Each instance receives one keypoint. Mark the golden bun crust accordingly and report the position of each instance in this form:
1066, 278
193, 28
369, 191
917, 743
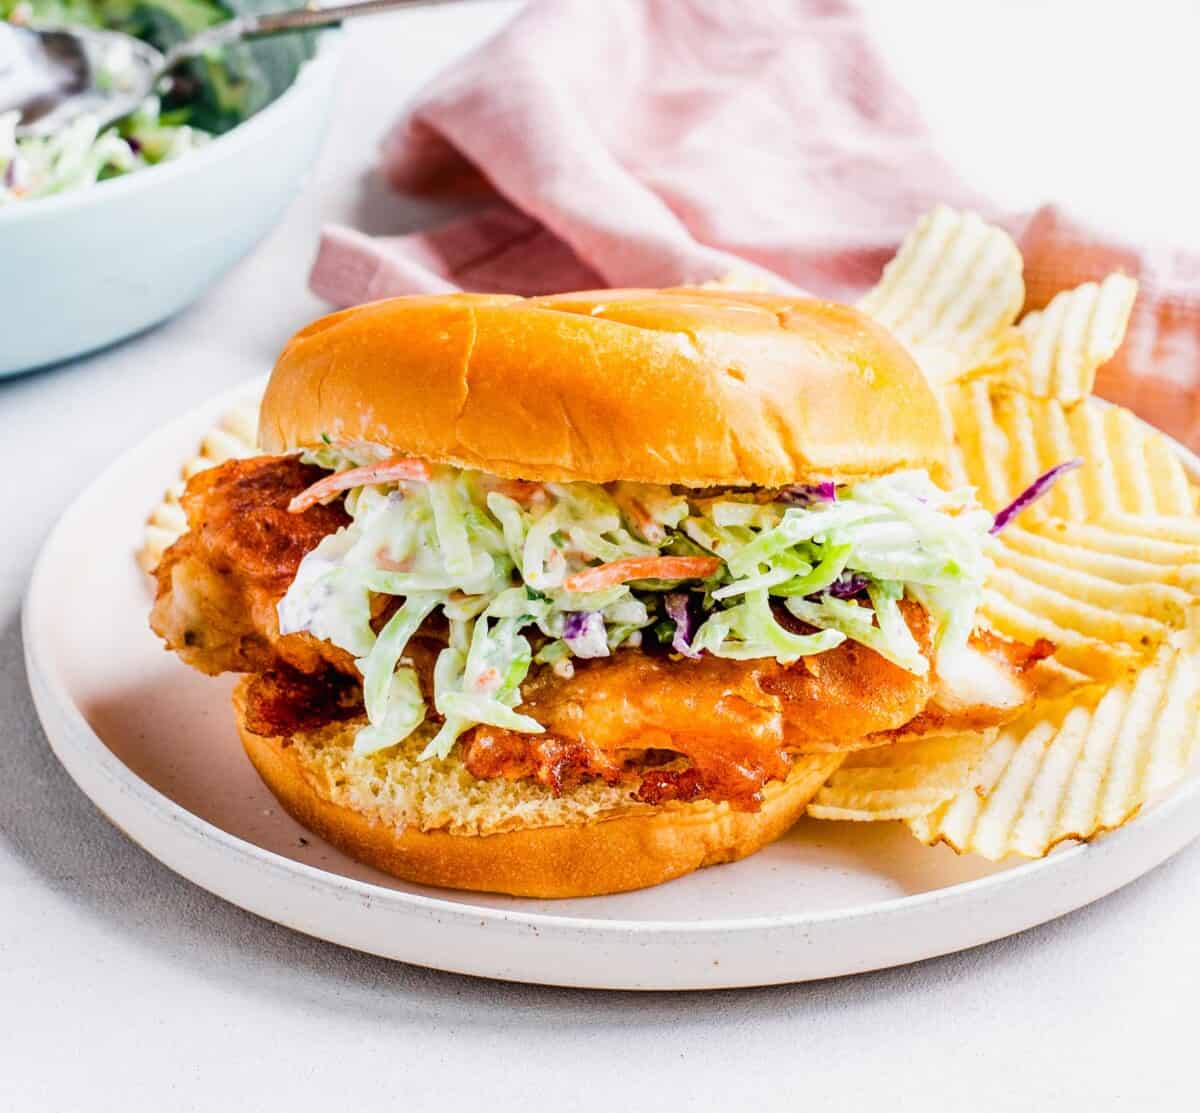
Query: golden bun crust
608, 854
698, 387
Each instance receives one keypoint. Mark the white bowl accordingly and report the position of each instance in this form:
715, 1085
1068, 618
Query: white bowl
83, 269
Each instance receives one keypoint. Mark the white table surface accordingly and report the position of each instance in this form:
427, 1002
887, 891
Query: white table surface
123, 987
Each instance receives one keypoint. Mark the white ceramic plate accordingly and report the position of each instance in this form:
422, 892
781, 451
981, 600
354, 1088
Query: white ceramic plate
153, 744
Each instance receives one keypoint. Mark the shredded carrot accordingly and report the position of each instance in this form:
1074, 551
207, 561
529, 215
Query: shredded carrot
385, 563
389, 471
641, 517
641, 568
646, 525
521, 490
487, 681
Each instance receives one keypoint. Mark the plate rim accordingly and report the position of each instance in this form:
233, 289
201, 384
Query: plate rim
55, 704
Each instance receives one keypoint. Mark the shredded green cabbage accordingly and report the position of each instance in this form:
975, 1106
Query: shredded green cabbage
495, 561
81, 154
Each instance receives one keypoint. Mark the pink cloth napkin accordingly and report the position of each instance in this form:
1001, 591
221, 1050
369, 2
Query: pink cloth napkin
663, 142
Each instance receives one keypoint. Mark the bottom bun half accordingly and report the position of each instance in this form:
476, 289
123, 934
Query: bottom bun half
433, 824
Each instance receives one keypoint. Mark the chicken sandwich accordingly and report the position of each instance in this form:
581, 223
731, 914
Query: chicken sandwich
575, 594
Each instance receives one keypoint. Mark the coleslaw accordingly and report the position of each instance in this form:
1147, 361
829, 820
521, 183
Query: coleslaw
81, 154
203, 97
552, 573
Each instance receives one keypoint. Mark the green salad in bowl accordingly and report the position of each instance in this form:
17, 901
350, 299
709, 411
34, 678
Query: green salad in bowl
201, 100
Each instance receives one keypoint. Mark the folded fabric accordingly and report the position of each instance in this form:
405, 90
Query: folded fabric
664, 142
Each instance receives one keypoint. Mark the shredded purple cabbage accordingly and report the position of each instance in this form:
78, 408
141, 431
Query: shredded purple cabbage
676, 604
576, 624
847, 586
584, 632
1033, 492
12, 172
805, 494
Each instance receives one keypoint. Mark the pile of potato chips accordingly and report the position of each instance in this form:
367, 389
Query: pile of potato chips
1106, 566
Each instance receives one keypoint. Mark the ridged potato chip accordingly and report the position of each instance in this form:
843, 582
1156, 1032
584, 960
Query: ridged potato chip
1104, 565
233, 437
1104, 610
1005, 439
1078, 331
901, 781
1076, 767
952, 290
1006, 362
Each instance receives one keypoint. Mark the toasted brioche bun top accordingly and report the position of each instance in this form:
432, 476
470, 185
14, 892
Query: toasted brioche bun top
688, 386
